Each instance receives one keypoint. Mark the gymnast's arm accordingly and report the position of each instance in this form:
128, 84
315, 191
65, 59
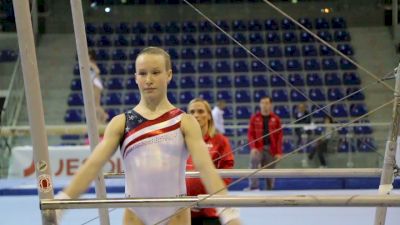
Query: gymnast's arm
202, 161
100, 155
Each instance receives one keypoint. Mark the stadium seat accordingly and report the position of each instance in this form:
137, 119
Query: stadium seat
222, 67
187, 82
228, 113
366, 144
325, 35
279, 95
240, 66
339, 110
205, 39
358, 109
188, 27
291, 51
329, 64
346, 65
90, 28
156, 27
273, 38
106, 28
305, 22
314, 79
306, 37
298, 95
345, 49
222, 39
239, 25
172, 97
205, 82
316, 94
103, 41
154, 40
282, 111
103, 68
119, 54
338, 23
188, 40
332, 79
223, 81
171, 40
172, 84
205, 53
240, 37
73, 116
318, 111
172, 27
276, 65
325, 51
341, 35
242, 96
309, 50
287, 24
243, 112
296, 79
137, 40
207, 95
188, 53
334, 94
91, 42
351, 78
358, 96
205, 26
173, 53
115, 83
205, 67
222, 52
187, 67
277, 81
288, 145
239, 52
75, 99
321, 23
112, 112
311, 64
131, 68
121, 40
139, 28
241, 81
113, 98
224, 95
259, 80
102, 54
256, 38
258, 94
289, 37
186, 96
254, 25
133, 53
76, 84
293, 65
271, 24
274, 51
224, 25
117, 69
131, 98
258, 51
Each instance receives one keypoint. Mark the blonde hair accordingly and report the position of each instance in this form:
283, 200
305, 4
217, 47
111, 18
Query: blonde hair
157, 51
211, 126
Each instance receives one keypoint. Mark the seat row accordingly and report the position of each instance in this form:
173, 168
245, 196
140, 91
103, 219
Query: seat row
271, 37
8, 55
205, 26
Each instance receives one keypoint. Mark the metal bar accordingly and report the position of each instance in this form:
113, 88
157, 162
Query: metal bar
88, 96
389, 161
34, 104
230, 201
280, 173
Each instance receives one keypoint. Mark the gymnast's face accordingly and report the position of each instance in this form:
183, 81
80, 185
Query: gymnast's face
152, 75
199, 111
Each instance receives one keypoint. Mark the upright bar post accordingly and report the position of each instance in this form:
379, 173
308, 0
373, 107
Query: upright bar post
88, 97
389, 162
34, 102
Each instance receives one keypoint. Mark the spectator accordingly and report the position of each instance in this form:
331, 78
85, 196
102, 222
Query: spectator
302, 113
218, 116
265, 138
322, 145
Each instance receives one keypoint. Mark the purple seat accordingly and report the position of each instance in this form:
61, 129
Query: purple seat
276, 65
338, 23
273, 37
131, 98
279, 95
306, 37
188, 39
205, 67
243, 96
346, 65
325, 35
293, 65
287, 24
274, 51
254, 25
103, 41
358, 109
311, 64
154, 40
305, 22
334, 94
351, 78
329, 64
243, 112
117, 69
258, 51
222, 39
291, 51
332, 79
224, 81
75, 99
357, 96
258, 94
205, 39
256, 38
115, 83
289, 37
188, 53
277, 81
207, 95
240, 66
205, 82
187, 67
296, 79
188, 27
222, 52
185, 97
321, 23
222, 66
240, 37
172, 97
241, 81
76, 84
341, 36
297, 95
187, 82
260, 80
224, 95
309, 50
314, 79
205, 26
325, 51
345, 49
137, 40
339, 110
239, 52
282, 111
205, 53
316, 94
239, 25
113, 98
171, 40
271, 24
119, 54
73, 116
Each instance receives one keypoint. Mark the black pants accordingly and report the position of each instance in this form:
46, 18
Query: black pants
320, 149
205, 221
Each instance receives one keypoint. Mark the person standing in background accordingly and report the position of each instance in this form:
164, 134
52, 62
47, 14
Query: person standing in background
306, 120
218, 116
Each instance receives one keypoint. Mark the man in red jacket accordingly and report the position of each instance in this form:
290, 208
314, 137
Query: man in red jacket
265, 140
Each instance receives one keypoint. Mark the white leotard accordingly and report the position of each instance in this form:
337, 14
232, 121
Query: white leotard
154, 155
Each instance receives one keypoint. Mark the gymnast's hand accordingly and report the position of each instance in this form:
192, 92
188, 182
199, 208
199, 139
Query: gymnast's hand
60, 212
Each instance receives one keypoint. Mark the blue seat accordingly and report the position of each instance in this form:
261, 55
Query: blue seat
256, 38
113, 98
240, 66
287, 24
205, 26
222, 39
316, 94
224, 95
76, 84
282, 111
133, 53
321, 23
131, 98
239, 25
172, 84
121, 40
314, 79
173, 53
288, 145
222, 66
309, 50
254, 25
223, 24
137, 40
318, 111
329, 64
325, 35
306, 37
205, 39
357, 96
243, 96
312, 64
291, 51
172, 97
102, 54
139, 28
296, 79
112, 112
154, 40
341, 35
325, 51
188, 27
205, 53
75, 99
287, 131
188, 53
240, 37
258, 94
103, 68
258, 51
260, 80
293, 65
187, 82
222, 52
205, 82
338, 23
131, 68
334, 94
345, 49
171, 40
174, 68
271, 24
115, 83
305, 22
228, 113
343, 145
279, 95
274, 51
358, 109
185, 97
346, 64
243, 112
366, 144
90, 28
224, 81
119, 54
339, 110
332, 79
106, 28
131, 84
207, 95
103, 41
76, 69
188, 39
187, 67
205, 67
277, 81
276, 65
273, 37
241, 81
91, 42
289, 37
172, 27
351, 78
156, 27
73, 116
298, 95
239, 52
117, 69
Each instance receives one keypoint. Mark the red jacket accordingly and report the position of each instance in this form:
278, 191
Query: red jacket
217, 146
256, 131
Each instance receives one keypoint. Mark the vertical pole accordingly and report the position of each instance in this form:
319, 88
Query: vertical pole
389, 162
35, 19
35, 105
304, 140
88, 96
349, 138
395, 18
